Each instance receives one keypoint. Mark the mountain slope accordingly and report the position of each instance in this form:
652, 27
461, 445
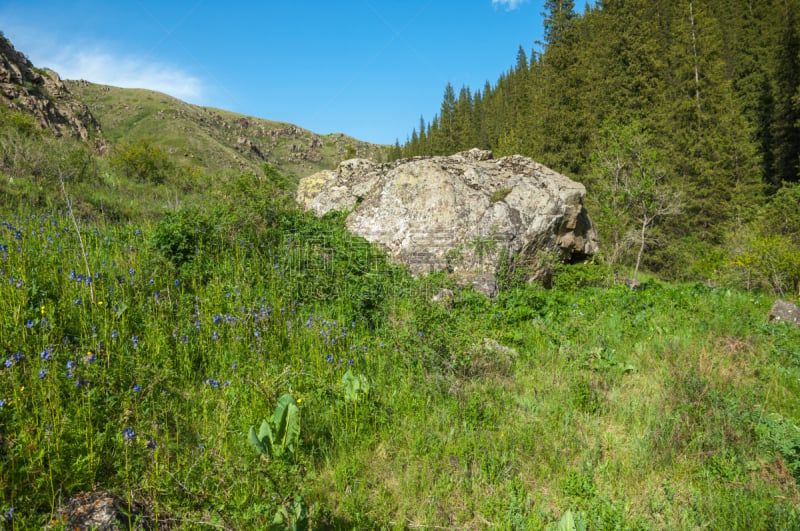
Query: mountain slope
214, 139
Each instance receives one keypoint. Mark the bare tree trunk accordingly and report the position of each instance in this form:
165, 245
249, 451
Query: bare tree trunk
696, 62
635, 283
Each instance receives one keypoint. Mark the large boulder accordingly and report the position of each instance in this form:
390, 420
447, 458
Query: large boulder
460, 213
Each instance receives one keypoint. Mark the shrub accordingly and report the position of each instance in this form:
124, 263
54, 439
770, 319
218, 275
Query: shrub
180, 234
143, 161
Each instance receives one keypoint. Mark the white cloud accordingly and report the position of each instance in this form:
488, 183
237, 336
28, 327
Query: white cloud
509, 4
129, 72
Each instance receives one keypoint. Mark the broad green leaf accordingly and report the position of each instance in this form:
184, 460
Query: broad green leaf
354, 386
279, 416
292, 435
300, 514
255, 442
266, 437
280, 518
349, 383
567, 522
286, 420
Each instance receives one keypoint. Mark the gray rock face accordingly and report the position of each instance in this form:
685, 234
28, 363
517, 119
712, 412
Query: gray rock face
41, 93
459, 213
783, 311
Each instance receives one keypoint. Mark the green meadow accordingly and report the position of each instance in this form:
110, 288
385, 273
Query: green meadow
138, 354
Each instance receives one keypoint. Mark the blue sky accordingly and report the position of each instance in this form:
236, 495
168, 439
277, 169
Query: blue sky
366, 68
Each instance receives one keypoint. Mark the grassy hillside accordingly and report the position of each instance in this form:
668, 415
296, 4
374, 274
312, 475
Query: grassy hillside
211, 139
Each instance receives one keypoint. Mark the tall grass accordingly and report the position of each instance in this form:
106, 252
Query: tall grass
671, 406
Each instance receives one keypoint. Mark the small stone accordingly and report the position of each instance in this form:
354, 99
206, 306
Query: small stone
784, 311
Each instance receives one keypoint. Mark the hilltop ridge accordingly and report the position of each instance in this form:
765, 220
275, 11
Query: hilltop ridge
204, 138
215, 139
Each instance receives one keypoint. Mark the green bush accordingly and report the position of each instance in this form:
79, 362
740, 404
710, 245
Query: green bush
766, 252
180, 235
143, 161
577, 276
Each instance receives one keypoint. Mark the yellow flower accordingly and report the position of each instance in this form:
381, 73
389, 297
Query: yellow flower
299, 400
21, 388
42, 310
99, 303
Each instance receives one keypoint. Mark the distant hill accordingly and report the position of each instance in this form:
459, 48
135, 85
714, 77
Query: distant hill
203, 138
214, 139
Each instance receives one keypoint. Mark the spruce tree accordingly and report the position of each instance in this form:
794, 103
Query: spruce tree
785, 128
447, 117
559, 16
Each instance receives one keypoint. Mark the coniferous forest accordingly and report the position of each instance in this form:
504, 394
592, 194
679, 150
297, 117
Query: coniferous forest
707, 91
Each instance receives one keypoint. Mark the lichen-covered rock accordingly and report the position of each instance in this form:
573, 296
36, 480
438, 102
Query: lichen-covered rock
460, 213
339, 189
785, 312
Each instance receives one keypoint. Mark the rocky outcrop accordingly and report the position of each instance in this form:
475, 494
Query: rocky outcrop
41, 93
785, 312
461, 213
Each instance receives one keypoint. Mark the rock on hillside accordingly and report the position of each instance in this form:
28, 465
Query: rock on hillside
785, 312
458, 213
212, 139
41, 93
